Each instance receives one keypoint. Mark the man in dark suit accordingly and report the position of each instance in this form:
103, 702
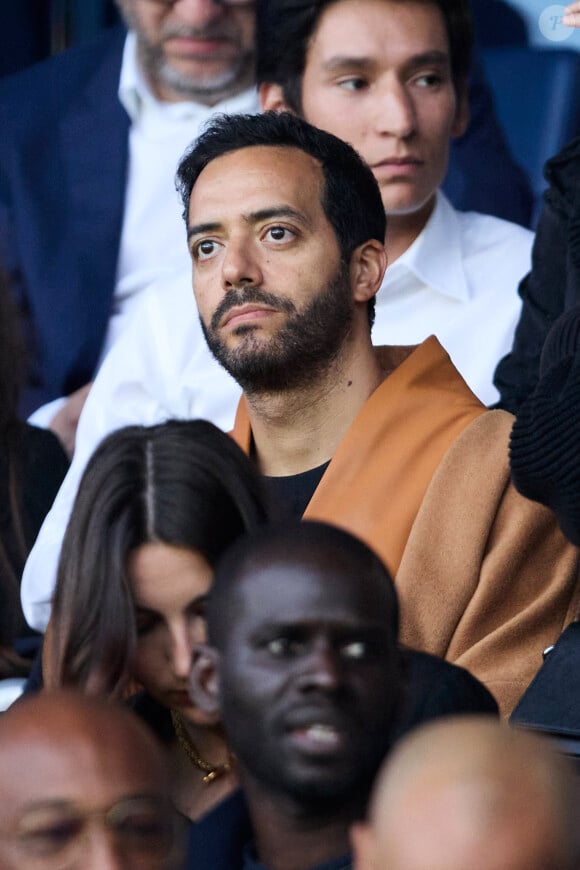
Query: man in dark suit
74, 134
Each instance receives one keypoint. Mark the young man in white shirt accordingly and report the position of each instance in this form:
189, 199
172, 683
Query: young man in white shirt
391, 79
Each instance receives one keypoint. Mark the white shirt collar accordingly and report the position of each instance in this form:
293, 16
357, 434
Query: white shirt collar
136, 96
435, 258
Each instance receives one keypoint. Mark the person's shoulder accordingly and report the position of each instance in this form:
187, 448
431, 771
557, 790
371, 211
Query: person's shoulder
438, 688
39, 90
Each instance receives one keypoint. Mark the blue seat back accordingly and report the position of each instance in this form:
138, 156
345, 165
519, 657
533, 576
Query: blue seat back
537, 99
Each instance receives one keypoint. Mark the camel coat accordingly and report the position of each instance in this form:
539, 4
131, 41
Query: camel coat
485, 577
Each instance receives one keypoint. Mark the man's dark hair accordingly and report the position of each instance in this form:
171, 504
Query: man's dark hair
351, 198
301, 540
284, 29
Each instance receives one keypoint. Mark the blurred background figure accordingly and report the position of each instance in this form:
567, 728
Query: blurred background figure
84, 785
90, 142
156, 508
471, 793
32, 467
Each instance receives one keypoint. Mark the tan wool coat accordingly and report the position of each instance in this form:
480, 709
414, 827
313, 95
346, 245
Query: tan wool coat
485, 578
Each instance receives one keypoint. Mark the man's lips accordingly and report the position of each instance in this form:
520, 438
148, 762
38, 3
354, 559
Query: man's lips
318, 730
318, 738
242, 313
397, 166
398, 161
198, 45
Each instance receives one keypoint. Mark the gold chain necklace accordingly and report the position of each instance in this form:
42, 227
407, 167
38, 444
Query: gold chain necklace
212, 771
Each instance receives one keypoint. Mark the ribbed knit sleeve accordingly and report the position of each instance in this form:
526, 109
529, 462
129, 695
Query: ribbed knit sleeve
545, 439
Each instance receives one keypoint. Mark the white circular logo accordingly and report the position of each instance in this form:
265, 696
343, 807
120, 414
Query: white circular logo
550, 24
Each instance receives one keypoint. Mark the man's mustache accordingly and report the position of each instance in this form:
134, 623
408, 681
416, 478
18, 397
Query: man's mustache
235, 298
220, 30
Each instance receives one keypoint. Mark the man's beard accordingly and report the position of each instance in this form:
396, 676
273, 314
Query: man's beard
237, 71
300, 352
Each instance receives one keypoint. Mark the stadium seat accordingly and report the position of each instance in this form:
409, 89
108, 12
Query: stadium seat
537, 98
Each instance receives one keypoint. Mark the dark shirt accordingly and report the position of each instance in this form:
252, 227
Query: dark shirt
287, 497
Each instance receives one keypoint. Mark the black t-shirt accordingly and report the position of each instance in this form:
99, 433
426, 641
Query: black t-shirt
288, 497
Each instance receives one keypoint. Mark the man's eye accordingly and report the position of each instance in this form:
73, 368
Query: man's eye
428, 80
142, 827
49, 838
205, 249
279, 234
355, 649
278, 646
281, 647
354, 83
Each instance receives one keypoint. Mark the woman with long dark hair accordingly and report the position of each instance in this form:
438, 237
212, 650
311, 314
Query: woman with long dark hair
155, 509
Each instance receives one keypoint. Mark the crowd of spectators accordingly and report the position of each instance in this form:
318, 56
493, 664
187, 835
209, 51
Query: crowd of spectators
280, 558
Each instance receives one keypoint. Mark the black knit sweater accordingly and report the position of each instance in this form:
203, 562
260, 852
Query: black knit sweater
545, 439
553, 285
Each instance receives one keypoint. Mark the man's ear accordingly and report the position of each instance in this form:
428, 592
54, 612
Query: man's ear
367, 267
204, 683
272, 98
461, 119
362, 846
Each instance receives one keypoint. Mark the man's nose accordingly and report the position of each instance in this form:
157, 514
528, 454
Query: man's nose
198, 13
320, 668
240, 266
103, 852
395, 114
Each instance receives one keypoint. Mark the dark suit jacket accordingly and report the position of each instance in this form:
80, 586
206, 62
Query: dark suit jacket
63, 163
63, 160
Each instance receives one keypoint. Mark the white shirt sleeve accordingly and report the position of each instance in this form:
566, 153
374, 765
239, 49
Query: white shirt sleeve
160, 368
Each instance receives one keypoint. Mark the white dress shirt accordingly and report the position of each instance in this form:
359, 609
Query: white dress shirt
458, 280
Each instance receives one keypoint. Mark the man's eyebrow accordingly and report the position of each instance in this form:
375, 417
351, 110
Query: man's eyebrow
345, 61
46, 804
428, 58
265, 214
262, 214
351, 62
198, 229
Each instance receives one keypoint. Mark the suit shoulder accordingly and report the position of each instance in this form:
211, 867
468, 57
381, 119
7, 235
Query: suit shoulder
39, 91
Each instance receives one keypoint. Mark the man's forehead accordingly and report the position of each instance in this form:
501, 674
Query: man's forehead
269, 171
301, 590
336, 37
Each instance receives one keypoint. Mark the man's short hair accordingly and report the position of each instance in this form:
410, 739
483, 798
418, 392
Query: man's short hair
284, 29
290, 540
351, 199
